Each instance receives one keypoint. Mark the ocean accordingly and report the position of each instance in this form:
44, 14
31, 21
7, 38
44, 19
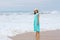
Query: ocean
13, 23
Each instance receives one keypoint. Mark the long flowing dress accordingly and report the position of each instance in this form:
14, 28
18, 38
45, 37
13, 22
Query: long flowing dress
36, 23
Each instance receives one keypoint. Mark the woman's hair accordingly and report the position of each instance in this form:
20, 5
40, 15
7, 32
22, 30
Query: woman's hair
35, 11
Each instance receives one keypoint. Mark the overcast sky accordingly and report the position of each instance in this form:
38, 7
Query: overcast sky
29, 5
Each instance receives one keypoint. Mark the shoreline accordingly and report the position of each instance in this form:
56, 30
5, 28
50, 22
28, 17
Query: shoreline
44, 35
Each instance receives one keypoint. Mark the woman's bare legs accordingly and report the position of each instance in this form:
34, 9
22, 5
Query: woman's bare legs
37, 35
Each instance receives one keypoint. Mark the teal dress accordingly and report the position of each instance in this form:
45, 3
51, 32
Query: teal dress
36, 23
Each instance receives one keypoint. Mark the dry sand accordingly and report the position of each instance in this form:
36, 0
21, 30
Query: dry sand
47, 35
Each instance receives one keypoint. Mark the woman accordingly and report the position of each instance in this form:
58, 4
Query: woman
36, 24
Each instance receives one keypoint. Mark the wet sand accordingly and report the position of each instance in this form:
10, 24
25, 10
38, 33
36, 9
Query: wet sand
47, 35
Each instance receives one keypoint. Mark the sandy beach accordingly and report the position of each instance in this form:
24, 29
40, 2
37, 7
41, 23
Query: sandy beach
45, 35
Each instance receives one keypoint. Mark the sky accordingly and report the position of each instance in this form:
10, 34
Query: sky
29, 5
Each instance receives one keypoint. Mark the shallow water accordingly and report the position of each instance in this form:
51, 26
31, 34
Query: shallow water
10, 25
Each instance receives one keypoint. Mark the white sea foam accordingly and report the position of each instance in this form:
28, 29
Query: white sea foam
10, 25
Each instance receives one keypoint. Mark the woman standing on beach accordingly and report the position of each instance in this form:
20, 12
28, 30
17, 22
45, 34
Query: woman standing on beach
36, 24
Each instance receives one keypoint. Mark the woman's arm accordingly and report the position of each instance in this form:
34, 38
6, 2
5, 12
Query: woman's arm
38, 19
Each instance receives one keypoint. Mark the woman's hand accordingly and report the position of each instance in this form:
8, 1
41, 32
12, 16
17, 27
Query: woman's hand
38, 23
